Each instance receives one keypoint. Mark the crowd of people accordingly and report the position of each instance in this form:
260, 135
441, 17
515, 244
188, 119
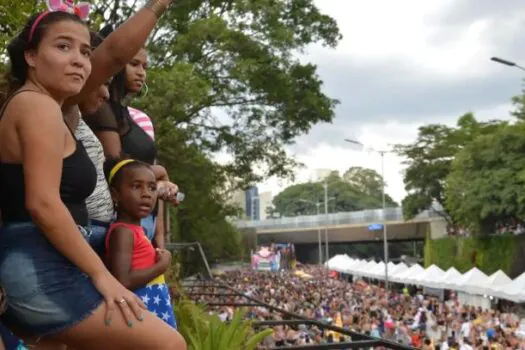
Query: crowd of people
396, 315
82, 236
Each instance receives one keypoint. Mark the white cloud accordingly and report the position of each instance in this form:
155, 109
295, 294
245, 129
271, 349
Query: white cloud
376, 136
427, 43
378, 30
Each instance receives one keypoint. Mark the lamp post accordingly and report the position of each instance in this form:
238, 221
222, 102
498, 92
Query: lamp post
319, 240
383, 199
326, 200
507, 62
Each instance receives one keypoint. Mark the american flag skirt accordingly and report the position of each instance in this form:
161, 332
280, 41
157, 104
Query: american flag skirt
156, 296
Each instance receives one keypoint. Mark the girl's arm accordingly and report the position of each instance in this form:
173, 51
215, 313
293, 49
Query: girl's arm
160, 172
105, 126
159, 239
118, 49
121, 244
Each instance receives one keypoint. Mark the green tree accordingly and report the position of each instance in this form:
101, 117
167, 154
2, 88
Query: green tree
238, 56
344, 195
485, 185
13, 16
519, 105
365, 180
429, 161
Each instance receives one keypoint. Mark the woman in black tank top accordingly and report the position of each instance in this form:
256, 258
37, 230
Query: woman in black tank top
58, 289
119, 134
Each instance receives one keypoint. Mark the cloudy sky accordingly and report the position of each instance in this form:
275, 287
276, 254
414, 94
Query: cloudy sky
405, 63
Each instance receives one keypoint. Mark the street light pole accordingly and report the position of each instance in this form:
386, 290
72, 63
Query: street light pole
385, 235
507, 62
319, 238
383, 199
327, 250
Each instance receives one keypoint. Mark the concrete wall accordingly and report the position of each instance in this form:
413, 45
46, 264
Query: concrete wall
438, 228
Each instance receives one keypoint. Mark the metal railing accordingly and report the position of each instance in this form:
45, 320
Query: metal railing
209, 286
221, 289
362, 217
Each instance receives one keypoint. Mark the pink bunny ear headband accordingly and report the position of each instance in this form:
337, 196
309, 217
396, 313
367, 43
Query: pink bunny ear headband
81, 10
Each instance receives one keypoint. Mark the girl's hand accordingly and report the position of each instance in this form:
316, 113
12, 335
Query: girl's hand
168, 191
163, 257
118, 297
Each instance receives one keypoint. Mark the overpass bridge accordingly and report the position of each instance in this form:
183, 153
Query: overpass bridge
346, 227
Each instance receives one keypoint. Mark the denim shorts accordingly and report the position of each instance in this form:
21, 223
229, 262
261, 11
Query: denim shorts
148, 224
46, 293
96, 236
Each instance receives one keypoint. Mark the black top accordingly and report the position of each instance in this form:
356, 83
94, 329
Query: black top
135, 142
78, 181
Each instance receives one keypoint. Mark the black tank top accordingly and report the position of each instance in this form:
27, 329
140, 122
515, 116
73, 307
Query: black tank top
78, 181
135, 142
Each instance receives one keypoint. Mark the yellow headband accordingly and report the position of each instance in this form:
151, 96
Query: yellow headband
117, 167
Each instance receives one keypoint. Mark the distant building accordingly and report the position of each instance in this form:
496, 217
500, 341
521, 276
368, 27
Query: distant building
251, 200
238, 199
265, 202
252, 203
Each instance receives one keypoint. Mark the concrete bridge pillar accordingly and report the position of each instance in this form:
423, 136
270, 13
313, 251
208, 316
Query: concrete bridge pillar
438, 228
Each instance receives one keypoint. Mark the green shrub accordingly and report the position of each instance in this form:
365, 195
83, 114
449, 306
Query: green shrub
207, 332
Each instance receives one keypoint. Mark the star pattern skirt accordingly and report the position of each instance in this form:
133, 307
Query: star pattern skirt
156, 296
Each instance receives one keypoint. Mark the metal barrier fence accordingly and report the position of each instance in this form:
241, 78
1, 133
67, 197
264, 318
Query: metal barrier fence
359, 340
363, 217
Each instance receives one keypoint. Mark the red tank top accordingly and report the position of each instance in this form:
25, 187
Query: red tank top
143, 255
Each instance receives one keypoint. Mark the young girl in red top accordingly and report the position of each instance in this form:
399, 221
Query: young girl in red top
131, 257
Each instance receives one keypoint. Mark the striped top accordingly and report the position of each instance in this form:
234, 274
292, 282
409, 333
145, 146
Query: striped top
143, 121
99, 204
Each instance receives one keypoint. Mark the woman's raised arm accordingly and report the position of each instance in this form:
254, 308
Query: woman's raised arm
120, 46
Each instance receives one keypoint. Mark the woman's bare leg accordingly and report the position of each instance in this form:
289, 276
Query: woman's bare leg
92, 333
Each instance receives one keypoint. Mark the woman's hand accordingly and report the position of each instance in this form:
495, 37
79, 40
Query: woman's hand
168, 191
117, 296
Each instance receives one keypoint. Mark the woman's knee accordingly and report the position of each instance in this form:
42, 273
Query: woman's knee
175, 341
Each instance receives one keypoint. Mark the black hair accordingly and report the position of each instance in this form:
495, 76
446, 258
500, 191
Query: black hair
110, 163
18, 68
96, 39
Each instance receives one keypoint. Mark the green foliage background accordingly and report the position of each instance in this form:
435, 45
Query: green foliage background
357, 189
488, 254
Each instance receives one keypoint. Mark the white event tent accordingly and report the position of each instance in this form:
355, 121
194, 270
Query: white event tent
431, 273
403, 276
472, 286
513, 291
470, 280
498, 278
398, 268
449, 275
